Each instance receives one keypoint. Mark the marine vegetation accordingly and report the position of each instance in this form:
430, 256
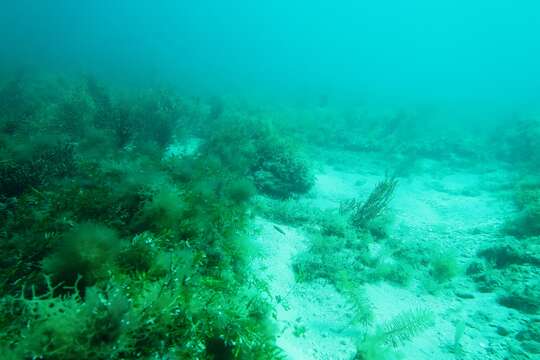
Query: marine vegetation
111, 250
251, 147
363, 213
381, 344
140, 223
526, 222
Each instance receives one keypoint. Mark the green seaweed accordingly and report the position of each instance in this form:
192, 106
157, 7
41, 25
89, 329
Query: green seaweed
143, 256
363, 213
390, 335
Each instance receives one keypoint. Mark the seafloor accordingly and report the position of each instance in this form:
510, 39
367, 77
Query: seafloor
144, 224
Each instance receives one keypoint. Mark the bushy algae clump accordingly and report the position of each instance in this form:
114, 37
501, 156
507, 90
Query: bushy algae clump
254, 148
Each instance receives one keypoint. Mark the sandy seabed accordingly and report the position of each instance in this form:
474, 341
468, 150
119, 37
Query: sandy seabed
456, 209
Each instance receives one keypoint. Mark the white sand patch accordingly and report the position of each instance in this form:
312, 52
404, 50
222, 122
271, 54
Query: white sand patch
425, 209
332, 187
310, 317
186, 147
452, 211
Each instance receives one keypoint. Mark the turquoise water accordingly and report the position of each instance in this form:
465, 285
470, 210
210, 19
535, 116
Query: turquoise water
421, 50
281, 180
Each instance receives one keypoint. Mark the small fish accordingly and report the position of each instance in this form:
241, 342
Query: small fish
279, 230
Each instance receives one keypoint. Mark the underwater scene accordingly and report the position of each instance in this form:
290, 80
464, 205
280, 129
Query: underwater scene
303, 180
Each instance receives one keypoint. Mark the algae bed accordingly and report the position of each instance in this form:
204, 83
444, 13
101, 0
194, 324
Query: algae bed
269, 181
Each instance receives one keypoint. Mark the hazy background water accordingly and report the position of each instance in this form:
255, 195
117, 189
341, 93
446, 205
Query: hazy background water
469, 55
